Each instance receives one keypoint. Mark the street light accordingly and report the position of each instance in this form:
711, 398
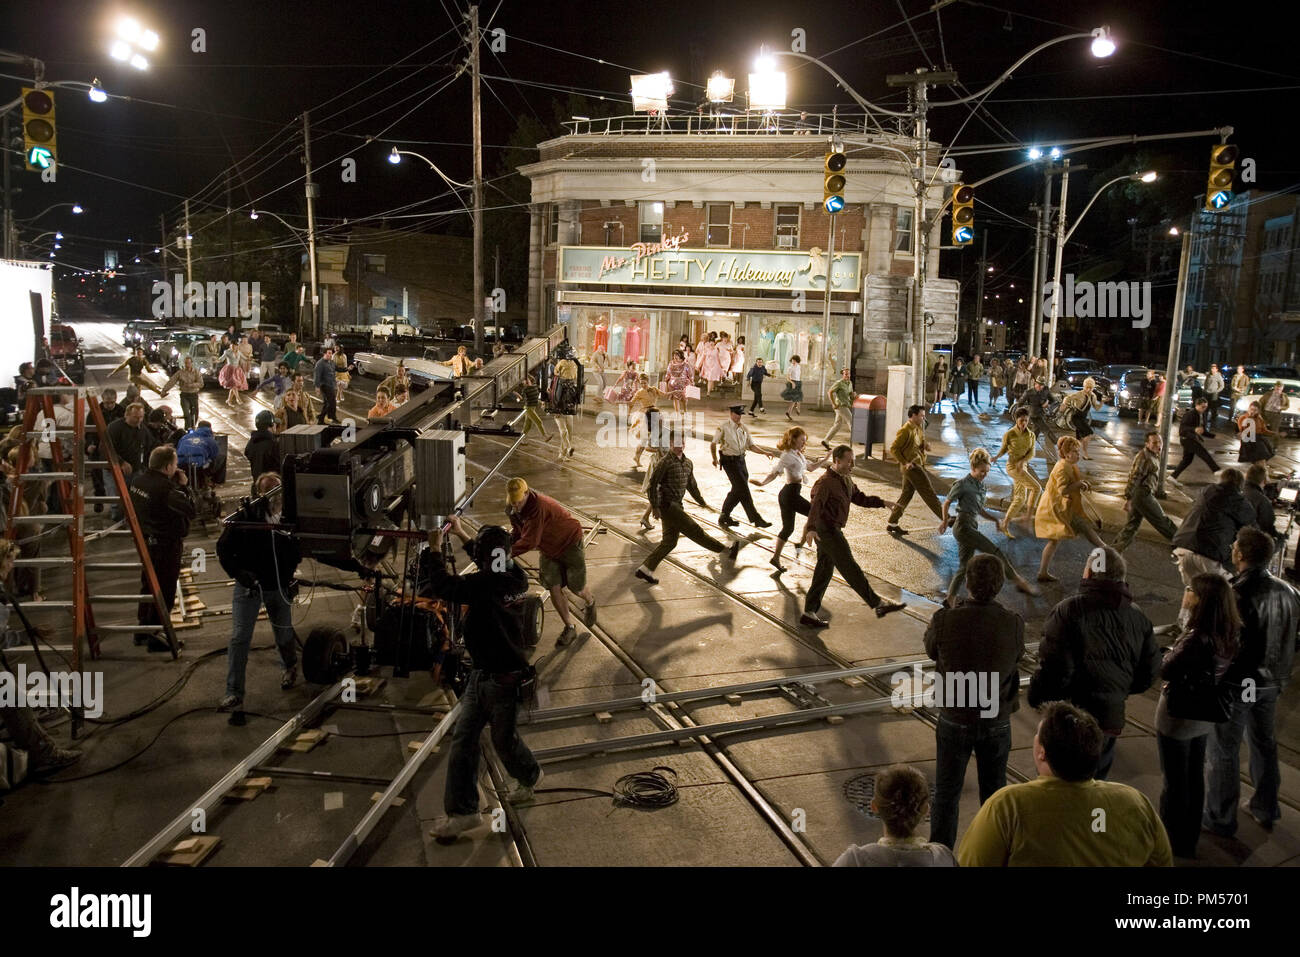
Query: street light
395, 157
96, 93
1102, 44
1062, 237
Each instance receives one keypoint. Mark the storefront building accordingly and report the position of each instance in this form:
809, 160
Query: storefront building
641, 237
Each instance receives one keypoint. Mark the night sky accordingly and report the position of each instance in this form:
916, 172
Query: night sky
194, 116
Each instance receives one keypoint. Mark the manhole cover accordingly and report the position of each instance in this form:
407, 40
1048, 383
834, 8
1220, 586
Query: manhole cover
861, 789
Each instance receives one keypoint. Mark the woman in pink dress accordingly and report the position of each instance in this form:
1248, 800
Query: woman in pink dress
710, 368
626, 385
678, 378
232, 375
725, 352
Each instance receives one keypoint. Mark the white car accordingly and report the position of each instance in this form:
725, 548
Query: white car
1290, 388
380, 366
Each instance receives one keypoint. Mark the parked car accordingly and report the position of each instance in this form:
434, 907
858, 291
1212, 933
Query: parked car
352, 342
173, 350
134, 332
1277, 372
207, 359
1264, 385
65, 349
1116, 372
1077, 369
1127, 397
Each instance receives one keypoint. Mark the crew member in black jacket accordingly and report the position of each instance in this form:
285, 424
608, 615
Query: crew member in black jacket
1270, 616
1098, 648
165, 513
494, 640
263, 448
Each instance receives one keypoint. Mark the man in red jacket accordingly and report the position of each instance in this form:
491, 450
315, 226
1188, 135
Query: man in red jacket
540, 522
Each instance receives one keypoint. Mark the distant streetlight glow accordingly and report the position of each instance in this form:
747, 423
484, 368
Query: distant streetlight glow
1035, 153
1148, 177
76, 208
1102, 44
1056, 153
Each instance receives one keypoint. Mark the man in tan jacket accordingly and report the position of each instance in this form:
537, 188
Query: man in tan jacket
909, 450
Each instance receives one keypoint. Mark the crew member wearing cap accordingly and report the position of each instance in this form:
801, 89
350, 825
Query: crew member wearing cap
263, 448
494, 641
736, 441
539, 522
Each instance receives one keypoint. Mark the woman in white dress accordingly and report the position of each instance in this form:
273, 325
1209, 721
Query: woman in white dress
795, 466
738, 358
725, 349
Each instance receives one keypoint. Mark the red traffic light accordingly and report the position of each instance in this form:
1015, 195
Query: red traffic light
38, 101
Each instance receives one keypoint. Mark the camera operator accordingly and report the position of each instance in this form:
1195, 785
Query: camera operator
165, 512
494, 640
263, 576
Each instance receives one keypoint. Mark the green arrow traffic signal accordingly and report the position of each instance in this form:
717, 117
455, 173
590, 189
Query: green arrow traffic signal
40, 157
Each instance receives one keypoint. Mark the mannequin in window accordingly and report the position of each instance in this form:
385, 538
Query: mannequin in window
767, 346
632, 351
617, 334
601, 341
784, 346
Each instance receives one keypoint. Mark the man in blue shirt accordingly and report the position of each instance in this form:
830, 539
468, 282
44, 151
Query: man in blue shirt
199, 447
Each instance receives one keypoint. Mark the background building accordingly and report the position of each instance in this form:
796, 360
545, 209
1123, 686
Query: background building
736, 201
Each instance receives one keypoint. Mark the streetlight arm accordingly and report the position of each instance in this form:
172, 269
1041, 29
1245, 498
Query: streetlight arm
1006, 74
292, 229
446, 178
1079, 218
857, 98
32, 219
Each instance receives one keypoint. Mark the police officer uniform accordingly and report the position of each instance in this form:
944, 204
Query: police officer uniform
164, 511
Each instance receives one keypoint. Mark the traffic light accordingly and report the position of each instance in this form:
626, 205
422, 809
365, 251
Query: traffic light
963, 215
833, 181
1218, 190
38, 128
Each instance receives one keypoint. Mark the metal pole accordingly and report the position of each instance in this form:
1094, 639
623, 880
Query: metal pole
1056, 274
1035, 323
8, 197
189, 259
1171, 366
475, 106
919, 246
826, 313
1042, 259
311, 227
979, 298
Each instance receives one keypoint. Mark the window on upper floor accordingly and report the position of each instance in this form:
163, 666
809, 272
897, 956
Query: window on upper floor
787, 227
718, 221
903, 231
651, 217
552, 223
376, 263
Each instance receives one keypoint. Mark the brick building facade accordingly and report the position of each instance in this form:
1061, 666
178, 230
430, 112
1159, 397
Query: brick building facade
740, 213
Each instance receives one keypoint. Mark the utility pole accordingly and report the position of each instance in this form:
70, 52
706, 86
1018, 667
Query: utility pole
826, 312
919, 82
162, 246
1035, 323
189, 259
1042, 260
312, 192
975, 344
1171, 366
1056, 274
475, 107
230, 234
9, 212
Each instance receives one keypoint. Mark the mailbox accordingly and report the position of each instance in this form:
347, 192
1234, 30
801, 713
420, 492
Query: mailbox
868, 420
